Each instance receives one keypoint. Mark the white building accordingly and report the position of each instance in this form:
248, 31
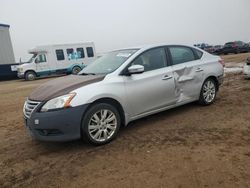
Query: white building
6, 49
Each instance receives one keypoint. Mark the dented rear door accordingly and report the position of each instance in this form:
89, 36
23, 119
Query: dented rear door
188, 73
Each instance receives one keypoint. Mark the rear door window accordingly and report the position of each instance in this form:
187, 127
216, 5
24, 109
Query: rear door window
181, 54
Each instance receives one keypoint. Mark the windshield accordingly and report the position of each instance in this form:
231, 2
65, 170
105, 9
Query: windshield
229, 44
108, 63
32, 58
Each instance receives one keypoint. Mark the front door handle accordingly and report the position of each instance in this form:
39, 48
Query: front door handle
166, 77
198, 70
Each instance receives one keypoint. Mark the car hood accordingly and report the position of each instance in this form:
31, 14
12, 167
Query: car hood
62, 86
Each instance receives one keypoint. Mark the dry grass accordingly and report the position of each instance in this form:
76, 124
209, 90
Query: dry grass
238, 58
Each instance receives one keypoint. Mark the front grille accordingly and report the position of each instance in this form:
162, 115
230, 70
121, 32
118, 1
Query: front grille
29, 107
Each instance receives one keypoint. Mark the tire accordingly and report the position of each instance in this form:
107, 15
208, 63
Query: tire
103, 129
30, 75
208, 92
76, 70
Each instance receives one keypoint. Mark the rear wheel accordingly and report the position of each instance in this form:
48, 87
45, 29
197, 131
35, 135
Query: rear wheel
101, 124
76, 70
30, 75
208, 92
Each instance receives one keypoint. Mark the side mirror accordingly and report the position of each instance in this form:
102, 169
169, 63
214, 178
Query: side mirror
248, 59
36, 60
136, 69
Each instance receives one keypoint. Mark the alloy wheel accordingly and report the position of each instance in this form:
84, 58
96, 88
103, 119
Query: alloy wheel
102, 125
209, 91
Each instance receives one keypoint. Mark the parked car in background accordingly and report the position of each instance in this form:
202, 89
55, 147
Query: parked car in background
57, 59
201, 45
246, 68
235, 47
120, 87
248, 47
218, 49
210, 49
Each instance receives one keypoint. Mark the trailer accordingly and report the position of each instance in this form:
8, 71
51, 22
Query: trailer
8, 67
57, 59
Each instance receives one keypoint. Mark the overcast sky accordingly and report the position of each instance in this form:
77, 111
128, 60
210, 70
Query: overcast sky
113, 24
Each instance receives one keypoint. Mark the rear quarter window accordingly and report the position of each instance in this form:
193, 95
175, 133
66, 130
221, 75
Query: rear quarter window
198, 53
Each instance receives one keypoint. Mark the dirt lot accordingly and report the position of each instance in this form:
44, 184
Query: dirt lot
191, 146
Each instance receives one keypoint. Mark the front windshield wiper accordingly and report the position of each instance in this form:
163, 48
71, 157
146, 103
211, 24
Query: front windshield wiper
85, 73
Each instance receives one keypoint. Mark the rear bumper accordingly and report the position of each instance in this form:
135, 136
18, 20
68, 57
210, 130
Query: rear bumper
220, 79
58, 126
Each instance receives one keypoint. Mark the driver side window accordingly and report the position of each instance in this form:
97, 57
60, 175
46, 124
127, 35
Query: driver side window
152, 59
41, 58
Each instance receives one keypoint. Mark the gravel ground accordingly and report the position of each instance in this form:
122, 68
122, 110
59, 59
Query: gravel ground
190, 146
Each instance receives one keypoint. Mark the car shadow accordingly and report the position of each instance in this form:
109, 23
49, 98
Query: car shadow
159, 116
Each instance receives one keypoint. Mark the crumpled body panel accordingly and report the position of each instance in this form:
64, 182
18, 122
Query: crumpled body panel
187, 81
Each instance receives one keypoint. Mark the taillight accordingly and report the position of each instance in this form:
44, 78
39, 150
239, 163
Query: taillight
221, 61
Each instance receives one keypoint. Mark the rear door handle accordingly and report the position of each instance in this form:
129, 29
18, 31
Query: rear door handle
166, 77
198, 70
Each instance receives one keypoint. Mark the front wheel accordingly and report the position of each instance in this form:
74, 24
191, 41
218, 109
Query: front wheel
30, 75
208, 92
101, 124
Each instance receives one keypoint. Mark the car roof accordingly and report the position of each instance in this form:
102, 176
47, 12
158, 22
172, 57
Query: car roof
149, 46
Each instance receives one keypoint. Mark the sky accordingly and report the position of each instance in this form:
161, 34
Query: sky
114, 24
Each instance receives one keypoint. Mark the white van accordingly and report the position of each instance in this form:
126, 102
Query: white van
57, 59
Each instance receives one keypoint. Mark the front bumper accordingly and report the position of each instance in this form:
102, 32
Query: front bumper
58, 126
20, 74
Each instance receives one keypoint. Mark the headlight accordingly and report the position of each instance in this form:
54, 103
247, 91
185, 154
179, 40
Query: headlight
19, 69
58, 103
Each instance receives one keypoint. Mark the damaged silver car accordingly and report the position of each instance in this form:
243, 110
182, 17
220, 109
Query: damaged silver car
120, 87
